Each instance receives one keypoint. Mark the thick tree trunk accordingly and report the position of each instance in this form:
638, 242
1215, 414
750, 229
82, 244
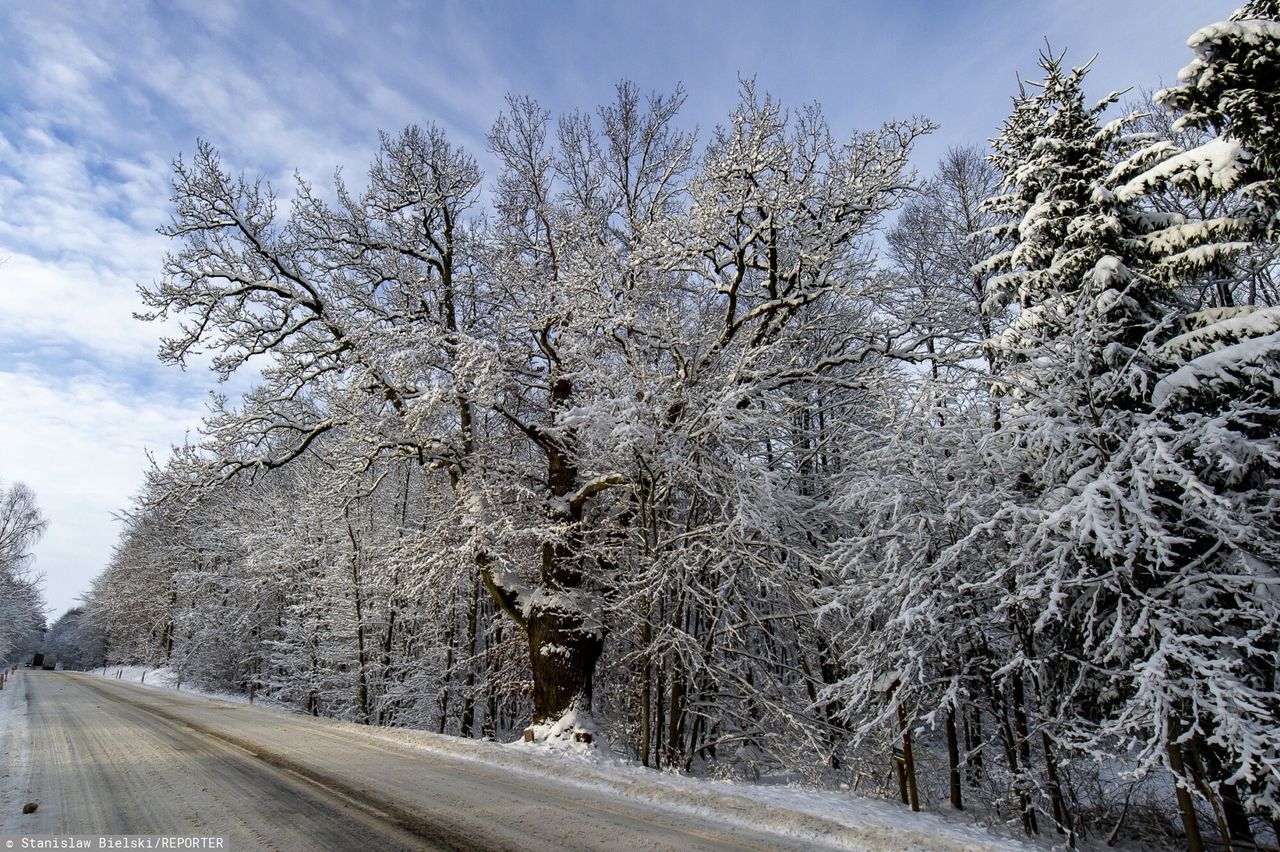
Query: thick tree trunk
562, 654
563, 646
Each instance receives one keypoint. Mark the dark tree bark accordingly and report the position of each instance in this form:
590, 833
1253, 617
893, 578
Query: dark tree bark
563, 647
1186, 804
362, 659
469, 685
953, 761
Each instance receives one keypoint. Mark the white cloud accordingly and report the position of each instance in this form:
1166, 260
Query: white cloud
80, 442
74, 301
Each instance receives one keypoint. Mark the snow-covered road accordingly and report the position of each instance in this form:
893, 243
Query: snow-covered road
113, 757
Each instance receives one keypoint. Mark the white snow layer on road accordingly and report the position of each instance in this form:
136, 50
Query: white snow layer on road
15, 757
828, 818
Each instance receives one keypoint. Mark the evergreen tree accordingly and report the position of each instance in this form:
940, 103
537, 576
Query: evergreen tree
1232, 87
1138, 588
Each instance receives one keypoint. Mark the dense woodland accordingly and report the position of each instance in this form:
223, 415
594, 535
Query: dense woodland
759, 455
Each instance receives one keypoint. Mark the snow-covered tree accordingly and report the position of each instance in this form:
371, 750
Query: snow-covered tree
1230, 88
71, 641
1250, 278
641, 439
1074, 545
536, 357
940, 237
1141, 597
21, 607
1213, 438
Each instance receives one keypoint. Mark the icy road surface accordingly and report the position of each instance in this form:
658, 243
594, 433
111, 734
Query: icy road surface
110, 757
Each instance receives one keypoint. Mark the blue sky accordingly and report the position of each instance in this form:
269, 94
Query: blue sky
96, 99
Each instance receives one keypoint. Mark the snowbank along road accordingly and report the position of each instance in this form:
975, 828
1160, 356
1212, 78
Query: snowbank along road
106, 757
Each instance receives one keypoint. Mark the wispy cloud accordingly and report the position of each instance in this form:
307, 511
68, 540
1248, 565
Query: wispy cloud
80, 442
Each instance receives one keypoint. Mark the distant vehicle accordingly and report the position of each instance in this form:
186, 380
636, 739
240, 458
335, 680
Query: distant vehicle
48, 665
37, 661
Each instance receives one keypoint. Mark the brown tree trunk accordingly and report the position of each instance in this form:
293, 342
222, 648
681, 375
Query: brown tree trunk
1186, 805
907, 761
168, 625
563, 655
447, 676
1000, 708
1202, 784
660, 690
1057, 800
563, 647
675, 717
492, 645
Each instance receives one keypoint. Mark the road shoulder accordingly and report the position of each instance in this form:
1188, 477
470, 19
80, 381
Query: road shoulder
15, 751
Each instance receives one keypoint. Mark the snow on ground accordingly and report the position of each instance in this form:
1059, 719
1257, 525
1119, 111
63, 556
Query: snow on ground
15, 756
163, 678
829, 818
825, 816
